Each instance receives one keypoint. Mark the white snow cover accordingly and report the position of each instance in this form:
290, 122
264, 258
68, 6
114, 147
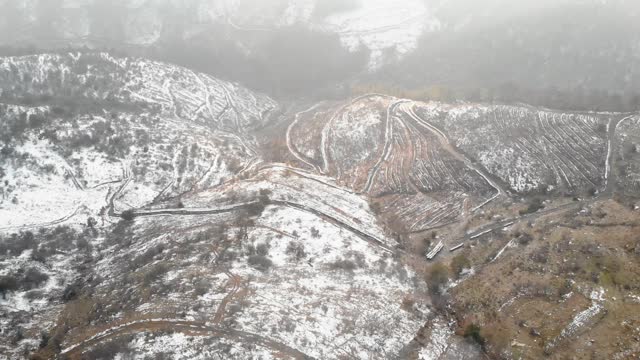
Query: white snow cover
583, 319
183, 144
42, 197
438, 342
312, 308
307, 304
382, 24
313, 192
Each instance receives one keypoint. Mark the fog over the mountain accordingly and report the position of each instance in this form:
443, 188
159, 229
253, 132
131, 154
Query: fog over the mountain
477, 50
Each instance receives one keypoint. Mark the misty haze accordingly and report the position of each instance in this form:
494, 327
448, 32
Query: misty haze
319, 179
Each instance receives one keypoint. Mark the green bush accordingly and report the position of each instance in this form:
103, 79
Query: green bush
474, 332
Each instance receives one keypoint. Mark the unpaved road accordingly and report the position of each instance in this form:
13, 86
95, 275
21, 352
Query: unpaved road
386, 152
447, 145
612, 137
200, 212
188, 327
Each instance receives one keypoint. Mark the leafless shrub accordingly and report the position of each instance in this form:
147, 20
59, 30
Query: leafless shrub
343, 265
260, 262
295, 250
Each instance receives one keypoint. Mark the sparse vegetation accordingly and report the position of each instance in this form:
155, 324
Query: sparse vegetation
473, 332
533, 206
33, 278
343, 265
295, 250
128, 215
7, 283
260, 262
155, 272
458, 264
172, 268
437, 277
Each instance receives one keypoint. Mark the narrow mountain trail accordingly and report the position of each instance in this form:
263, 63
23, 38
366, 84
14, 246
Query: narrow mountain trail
235, 282
612, 138
72, 176
363, 235
386, 152
201, 212
42, 225
292, 149
307, 175
471, 164
126, 180
529, 217
242, 206
193, 211
192, 328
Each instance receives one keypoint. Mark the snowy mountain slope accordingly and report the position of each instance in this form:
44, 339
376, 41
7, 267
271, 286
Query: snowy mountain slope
429, 163
531, 148
97, 136
289, 278
378, 145
625, 150
148, 130
245, 229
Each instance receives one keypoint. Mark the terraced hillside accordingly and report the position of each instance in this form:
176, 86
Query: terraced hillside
99, 77
427, 158
87, 125
531, 149
378, 145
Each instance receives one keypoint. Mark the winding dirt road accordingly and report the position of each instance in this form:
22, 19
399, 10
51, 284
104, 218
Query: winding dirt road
386, 152
235, 282
326, 131
469, 163
610, 175
292, 149
193, 328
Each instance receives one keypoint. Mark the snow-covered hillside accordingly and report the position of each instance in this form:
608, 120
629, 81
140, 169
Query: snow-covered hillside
151, 131
275, 259
309, 270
